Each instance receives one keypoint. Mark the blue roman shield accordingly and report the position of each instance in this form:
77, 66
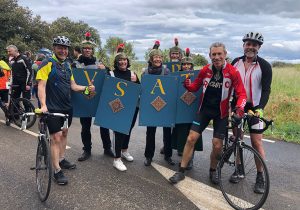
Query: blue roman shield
158, 101
173, 66
84, 106
117, 106
187, 102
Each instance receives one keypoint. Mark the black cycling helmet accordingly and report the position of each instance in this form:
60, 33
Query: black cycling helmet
62, 40
254, 36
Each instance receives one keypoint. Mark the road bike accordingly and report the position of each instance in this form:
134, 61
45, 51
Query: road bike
43, 164
242, 160
15, 109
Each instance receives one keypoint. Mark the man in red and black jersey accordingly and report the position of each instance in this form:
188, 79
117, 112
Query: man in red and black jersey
218, 79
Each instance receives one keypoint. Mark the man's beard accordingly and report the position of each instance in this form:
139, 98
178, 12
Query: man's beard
251, 53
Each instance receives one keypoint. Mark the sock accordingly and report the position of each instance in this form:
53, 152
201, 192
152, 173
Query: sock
212, 169
57, 170
181, 169
260, 174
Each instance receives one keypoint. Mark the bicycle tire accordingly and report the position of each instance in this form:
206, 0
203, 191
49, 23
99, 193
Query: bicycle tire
20, 106
233, 192
43, 168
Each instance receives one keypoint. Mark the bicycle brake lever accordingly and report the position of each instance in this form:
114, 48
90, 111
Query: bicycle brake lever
66, 124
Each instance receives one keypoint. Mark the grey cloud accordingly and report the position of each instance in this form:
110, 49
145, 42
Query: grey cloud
196, 23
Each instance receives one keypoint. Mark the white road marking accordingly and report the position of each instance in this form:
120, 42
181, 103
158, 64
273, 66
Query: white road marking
203, 196
27, 131
247, 136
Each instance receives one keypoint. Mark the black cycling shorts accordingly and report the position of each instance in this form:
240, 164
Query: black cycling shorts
202, 120
55, 124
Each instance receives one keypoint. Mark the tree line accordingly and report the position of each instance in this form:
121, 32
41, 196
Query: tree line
28, 32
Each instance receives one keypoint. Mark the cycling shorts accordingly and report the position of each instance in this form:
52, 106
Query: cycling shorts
55, 124
203, 118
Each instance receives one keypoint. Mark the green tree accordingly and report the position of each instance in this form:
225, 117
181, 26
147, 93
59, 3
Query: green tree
14, 21
19, 27
199, 60
75, 31
111, 46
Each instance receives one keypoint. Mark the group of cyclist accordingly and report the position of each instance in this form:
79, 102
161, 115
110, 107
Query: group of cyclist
247, 80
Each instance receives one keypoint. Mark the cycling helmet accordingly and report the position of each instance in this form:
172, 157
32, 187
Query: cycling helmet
254, 36
62, 40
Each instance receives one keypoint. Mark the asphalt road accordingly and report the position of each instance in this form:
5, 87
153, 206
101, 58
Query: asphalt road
95, 184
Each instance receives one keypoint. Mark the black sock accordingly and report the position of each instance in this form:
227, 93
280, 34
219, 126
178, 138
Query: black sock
212, 169
181, 169
260, 174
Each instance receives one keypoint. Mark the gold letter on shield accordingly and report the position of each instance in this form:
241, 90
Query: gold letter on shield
159, 85
122, 92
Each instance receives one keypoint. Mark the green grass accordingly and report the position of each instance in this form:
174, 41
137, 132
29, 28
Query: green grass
284, 104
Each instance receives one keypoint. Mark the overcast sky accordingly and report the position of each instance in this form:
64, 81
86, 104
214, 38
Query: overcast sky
196, 23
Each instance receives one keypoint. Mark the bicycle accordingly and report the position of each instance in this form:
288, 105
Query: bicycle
15, 109
241, 159
43, 164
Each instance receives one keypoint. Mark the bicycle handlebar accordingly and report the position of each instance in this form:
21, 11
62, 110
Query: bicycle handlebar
247, 116
39, 113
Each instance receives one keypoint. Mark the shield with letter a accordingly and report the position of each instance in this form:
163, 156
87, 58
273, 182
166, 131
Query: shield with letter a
158, 101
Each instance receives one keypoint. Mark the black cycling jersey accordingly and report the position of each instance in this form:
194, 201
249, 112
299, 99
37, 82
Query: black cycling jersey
21, 69
213, 94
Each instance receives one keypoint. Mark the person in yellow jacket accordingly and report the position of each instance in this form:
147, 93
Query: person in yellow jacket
4, 79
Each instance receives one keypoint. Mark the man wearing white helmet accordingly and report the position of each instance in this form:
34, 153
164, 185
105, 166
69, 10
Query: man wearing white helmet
55, 82
256, 74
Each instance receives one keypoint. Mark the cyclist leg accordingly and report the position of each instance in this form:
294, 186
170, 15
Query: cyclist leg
56, 139
219, 126
256, 140
63, 143
198, 125
16, 91
26, 94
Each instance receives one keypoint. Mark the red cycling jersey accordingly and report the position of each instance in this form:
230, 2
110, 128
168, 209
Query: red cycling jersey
231, 80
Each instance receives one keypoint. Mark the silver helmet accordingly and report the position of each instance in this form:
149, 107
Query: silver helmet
254, 36
62, 40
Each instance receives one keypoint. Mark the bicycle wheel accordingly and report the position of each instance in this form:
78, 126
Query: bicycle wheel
43, 168
241, 195
20, 106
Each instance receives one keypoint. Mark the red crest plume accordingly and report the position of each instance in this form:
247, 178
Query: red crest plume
120, 47
156, 44
176, 41
187, 52
87, 35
